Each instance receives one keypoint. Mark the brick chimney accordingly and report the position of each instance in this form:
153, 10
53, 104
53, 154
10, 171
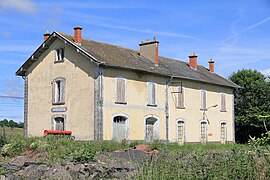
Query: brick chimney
78, 35
211, 66
193, 61
149, 50
46, 35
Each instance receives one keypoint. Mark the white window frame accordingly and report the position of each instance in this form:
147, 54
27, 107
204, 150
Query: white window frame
184, 129
182, 93
225, 108
58, 96
118, 101
206, 129
53, 123
153, 97
59, 54
202, 91
226, 132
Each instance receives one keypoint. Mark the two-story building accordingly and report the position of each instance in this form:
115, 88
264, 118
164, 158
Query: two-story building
101, 91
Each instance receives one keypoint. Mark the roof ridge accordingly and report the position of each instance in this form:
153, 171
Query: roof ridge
85, 39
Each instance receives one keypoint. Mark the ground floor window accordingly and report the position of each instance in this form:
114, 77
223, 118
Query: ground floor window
151, 129
59, 122
223, 133
180, 132
203, 138
120, 128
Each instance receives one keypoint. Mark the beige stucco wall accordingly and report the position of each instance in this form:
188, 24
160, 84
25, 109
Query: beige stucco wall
79, 98
136, 108
192, 115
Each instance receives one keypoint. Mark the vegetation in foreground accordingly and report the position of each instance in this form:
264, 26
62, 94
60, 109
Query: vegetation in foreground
173, 162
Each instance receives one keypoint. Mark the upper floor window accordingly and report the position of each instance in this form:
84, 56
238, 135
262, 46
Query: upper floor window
223, 102
59, 54
180, 97
121, 91
151, 93
203, 99
58, 87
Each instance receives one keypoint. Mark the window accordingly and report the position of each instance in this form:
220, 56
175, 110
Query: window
223, 133
151, 128
151, 92
58, 95
203, 137
203, 99
120, 128
180, 132
120, 91
223, 102
59, 54
180, 98
59, 123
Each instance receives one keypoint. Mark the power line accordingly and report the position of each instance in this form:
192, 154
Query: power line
12, 97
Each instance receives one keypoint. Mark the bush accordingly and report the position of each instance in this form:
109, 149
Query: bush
87, 153
15, 147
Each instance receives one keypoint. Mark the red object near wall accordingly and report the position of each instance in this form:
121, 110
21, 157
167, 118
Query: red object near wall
57, 132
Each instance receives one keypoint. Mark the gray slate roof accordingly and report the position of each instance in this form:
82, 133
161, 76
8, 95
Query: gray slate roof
116, 56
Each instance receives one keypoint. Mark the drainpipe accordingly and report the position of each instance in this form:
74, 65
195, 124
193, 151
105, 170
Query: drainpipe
167, 109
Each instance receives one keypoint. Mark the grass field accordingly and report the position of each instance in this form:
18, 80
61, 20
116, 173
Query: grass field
11, 133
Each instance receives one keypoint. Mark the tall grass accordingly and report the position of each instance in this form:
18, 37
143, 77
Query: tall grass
202, 165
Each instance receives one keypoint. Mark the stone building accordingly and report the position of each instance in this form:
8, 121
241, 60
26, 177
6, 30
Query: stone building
101, 91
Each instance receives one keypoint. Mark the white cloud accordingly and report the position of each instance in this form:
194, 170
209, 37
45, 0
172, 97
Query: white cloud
25, 6
266, 72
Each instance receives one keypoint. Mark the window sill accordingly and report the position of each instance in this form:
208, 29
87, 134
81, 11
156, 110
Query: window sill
59, 61
223, 110
121, 103
58, 103
203, 109
152, 105
181, 108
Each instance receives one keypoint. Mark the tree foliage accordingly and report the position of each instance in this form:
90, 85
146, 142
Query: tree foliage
10, 123
252, 104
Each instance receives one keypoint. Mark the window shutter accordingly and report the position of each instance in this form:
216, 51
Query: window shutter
56, 55
153, 93
62, 90
223, 102
53, 92
203, 99
120, 88
181, 96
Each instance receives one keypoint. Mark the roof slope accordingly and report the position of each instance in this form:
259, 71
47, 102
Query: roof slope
113, 55
116, 56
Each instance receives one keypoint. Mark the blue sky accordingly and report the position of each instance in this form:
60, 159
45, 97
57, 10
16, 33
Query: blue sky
234, 33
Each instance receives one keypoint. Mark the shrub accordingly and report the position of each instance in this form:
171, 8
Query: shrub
15, 147
85, 154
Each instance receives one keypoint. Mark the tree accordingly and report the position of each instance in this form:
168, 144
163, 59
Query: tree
252, 104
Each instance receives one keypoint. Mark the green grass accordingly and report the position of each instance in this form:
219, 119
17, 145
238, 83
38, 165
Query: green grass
11, 133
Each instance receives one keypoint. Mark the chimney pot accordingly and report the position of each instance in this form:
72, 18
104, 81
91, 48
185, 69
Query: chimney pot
193, 61
211, 65
46, 35
78, 35
155, 38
